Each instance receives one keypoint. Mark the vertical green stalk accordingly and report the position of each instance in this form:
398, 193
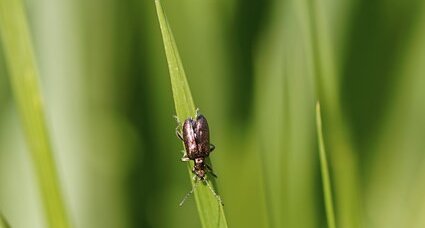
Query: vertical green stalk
23, 75
327, 191
210, 211
345, 162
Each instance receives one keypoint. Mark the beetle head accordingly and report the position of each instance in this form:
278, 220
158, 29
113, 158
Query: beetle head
199, 168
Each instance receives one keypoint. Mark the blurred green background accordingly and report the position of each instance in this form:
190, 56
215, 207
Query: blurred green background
256, 69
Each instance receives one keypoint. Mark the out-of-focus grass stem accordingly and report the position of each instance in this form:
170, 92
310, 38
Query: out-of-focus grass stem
345, 161
327, 191
23, 74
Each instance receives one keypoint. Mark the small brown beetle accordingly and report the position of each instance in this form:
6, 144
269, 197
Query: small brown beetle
196, 139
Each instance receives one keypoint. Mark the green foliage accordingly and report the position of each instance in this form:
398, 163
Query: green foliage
326, 181
210, 210
256, 69
3, 222
24, 78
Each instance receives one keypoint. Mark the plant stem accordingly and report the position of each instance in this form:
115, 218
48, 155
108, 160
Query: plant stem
327, 191
23, 75
210, 211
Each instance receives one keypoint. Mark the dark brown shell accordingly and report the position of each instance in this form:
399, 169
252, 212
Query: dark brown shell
202, 133
189, 138
196, 138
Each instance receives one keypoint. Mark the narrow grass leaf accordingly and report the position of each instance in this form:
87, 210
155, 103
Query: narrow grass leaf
23, 75
345, 162
210, 211
327, 191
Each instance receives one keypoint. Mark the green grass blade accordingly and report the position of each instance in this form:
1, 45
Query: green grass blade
23, 75
328, 75
211, 213
3, 222
327, 191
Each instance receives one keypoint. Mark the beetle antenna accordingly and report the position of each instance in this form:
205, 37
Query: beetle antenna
188, 194
214, 193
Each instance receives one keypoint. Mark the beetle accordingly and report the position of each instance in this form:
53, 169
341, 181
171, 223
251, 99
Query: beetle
196, 138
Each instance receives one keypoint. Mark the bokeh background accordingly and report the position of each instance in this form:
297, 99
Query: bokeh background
256, 70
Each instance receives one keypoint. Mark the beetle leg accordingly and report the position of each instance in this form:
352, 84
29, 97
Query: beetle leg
208, 167
197, 112
178, 134
195, 177
177, 119
212, 147
210, 170
213, 174
185, 158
